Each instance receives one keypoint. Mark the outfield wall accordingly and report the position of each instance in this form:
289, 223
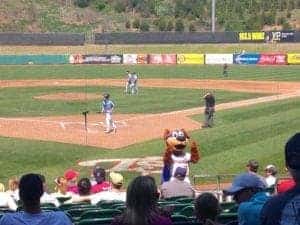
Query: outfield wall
156, 59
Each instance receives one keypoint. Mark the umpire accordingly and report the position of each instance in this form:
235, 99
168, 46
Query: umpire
209, 109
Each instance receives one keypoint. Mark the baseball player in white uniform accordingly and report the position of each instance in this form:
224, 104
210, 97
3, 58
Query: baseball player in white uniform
127, 84
134, 83
107, 109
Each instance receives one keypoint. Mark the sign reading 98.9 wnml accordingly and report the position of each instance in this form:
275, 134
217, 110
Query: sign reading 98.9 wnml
251, 36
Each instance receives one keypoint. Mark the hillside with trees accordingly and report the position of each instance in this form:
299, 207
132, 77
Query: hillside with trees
146, 15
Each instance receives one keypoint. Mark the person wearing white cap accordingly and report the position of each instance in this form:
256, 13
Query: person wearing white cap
270, 178
248, 191
115, 193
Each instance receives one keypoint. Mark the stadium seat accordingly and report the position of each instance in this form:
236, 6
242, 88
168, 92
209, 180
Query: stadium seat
61, 200
187, 211
179, 218
70, 205
108, 204
185, 200
225, 218
174, 198
100, 213
77, 212
98, 221
229, 207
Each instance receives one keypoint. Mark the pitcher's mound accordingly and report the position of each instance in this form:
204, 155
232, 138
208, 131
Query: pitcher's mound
76, 96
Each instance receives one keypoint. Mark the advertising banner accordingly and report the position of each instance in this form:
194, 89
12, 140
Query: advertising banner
293, 58
95, 59
218, 58
251, 36
142, 59
190, 58
130, 58
162, 59
135, 58
272, 59
280, 36
246, 58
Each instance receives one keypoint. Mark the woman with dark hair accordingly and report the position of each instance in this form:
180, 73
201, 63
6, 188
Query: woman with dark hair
207, 208
84, 191
141, 204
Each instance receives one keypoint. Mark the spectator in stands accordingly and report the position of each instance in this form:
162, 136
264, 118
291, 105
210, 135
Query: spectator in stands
72, 177
207, 209
31, 190
252, 166
100, 183
13, 188
248, 191
115, 193
47, 198
177, 187
141, 204
270, 175
61, 188
285, 184
285, 208
6, 200
84, 191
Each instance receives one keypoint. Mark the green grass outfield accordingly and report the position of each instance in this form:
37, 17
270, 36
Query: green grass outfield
240, 134
282, 73
258, 131
21, 102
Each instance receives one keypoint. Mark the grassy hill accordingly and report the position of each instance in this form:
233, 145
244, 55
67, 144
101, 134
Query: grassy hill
153, 15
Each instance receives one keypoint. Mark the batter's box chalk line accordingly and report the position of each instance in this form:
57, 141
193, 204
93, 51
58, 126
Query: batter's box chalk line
91, 127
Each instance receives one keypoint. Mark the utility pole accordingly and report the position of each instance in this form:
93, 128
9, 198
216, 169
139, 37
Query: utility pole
213, 15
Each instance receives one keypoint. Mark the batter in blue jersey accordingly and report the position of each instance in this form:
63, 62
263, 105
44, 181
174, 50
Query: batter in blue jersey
107, 109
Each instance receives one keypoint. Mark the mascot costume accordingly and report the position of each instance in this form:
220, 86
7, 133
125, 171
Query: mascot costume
175, 154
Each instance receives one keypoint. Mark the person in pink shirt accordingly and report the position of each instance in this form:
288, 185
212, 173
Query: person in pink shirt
72, 177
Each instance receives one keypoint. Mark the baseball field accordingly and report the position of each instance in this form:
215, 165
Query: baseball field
42, 128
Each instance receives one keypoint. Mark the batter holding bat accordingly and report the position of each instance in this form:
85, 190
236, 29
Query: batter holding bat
107, 109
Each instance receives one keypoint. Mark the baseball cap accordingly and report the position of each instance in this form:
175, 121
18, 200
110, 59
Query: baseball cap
271, 169
245, 180
180, 172
70, 174
99, 174
292, 152
116, 178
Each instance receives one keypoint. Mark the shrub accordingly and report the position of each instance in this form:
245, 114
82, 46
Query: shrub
144, 26
170, 25
179, 26
82, 3
192, 28
127, 24
119, 6
100, 5
162, 24
136, 23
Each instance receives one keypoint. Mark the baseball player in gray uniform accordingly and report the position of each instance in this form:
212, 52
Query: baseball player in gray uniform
107, 109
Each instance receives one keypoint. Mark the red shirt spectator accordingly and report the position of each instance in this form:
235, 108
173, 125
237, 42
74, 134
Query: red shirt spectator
101, 183
285, 184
